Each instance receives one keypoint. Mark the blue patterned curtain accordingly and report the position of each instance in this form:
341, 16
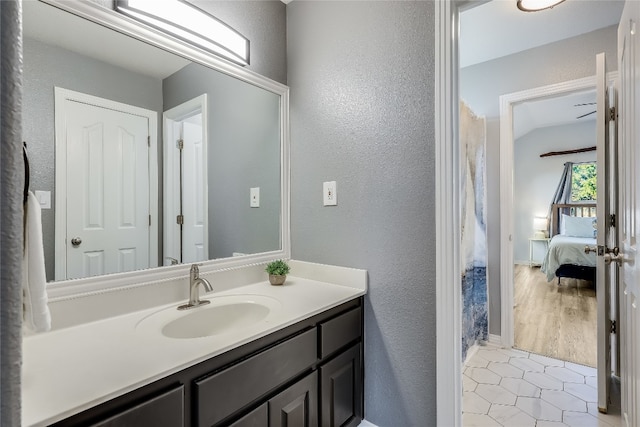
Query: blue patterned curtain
474, 229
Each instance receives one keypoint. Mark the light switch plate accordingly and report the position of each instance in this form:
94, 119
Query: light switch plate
329, 193
254, 194
44, 198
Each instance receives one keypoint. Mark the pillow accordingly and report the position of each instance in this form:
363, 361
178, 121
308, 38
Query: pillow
578, 226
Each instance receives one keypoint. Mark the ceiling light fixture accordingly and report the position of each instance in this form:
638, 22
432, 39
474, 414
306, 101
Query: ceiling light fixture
536, 5
191, 24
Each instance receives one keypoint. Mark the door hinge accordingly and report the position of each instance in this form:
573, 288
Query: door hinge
180, 219
180, 144
612, 220
612, 114
613, 328
148, 140
149, 220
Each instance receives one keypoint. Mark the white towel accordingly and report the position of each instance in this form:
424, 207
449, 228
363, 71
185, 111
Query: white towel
37, 317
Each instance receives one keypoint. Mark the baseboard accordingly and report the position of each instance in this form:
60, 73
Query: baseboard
495, 340
365, 423
471, 351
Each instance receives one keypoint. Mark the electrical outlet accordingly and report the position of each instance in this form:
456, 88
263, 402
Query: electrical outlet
254, 195
329, 193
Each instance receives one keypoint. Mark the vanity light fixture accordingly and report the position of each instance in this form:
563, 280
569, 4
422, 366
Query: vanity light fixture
191, 24
536, 5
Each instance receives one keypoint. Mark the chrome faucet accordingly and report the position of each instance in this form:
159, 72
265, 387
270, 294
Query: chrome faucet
194, 281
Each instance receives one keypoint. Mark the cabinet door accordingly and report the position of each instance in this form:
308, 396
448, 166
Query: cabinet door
297, 406
259, 417
341, 390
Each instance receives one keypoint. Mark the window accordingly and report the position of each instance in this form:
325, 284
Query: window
583, 182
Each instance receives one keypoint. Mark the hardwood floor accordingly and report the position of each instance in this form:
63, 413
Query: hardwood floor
555, 321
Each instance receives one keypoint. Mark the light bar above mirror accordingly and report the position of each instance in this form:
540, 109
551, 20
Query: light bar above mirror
190, 24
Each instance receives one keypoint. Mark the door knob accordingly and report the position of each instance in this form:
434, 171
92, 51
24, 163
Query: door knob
76, 241
589, 249
615, 251
613, 255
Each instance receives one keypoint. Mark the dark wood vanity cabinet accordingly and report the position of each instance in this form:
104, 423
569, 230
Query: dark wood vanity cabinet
309, 374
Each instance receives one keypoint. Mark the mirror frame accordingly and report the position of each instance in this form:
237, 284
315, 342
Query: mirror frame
111, 19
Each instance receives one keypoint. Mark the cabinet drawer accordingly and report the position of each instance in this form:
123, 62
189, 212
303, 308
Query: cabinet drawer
165, 410
222, 394
340, 331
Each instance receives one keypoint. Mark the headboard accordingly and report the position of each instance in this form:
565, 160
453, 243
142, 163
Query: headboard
571, 209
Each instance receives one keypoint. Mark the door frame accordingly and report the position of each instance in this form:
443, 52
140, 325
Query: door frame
197, 105
61, 96
447, 222
507, 102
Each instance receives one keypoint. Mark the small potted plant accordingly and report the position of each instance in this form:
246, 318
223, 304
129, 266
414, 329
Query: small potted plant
277, 271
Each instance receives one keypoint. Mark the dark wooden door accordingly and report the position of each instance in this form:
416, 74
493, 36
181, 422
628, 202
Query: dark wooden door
259, 417
341, 390
297, 406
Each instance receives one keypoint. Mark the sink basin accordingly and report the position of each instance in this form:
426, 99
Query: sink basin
225, 314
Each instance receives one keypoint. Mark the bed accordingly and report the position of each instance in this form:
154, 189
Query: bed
573, 226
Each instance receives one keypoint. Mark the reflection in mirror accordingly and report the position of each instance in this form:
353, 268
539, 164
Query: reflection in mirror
146, 143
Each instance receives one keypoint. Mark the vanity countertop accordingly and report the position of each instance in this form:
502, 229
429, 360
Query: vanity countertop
69, 370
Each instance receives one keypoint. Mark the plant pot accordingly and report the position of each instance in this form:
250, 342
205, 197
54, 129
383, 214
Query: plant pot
277, 279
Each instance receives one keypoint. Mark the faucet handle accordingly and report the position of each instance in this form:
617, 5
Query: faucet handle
195, 270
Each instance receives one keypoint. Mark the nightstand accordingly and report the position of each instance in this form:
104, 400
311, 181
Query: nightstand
534, 241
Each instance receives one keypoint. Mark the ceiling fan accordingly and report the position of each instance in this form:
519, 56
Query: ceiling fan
582, 105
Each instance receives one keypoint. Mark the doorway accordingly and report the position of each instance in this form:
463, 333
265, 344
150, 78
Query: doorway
553, 141
186, 236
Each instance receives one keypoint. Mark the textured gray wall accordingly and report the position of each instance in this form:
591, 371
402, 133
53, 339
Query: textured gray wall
361, 79
47, 66
11, 211
482, 85
243, 152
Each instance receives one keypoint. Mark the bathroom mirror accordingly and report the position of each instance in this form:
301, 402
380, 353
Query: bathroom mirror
210, 186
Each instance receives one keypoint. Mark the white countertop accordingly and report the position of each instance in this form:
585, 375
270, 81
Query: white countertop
69, 370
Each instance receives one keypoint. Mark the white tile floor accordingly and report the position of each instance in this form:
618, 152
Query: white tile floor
513, 388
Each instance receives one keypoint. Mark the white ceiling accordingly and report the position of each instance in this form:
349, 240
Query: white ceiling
53, 26
556, 111
498, 28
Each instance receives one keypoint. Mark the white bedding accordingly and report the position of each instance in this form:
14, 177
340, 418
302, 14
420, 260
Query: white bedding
567, 250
